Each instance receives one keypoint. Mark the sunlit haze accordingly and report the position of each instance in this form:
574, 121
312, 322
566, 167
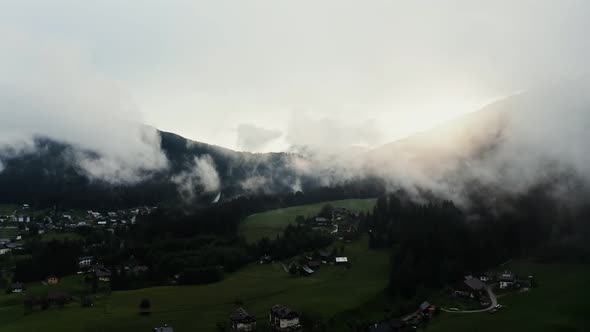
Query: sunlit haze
244, 74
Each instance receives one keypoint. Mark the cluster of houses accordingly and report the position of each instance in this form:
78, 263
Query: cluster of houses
310, 263
20, 215
424, 313
280, 318
344, 222
507, 279
474, 287
10, 244
111, 219
129, 268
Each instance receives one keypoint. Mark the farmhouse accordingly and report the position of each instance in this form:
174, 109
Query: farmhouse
242, 321
282, 318
426, 309
4, 250
470, 287
321, 221
314, 264
305, 270
485, 277
23, 218
325, 255
507, 280
102, 273
164, 328
17, 287
341, 260
266, 259
52, 280
85, 261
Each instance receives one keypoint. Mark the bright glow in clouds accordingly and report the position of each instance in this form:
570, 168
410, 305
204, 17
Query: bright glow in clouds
206, 69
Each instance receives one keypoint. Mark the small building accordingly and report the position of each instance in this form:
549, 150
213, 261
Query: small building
52, 280
102, 274
85, 261
23, 218
426, 309
321, 221
471, 287
341, 260
242, 321
164, 328
507, 279
282, 318
266, 259
306, 270
485, 277
315, 265
325, 255
17, 287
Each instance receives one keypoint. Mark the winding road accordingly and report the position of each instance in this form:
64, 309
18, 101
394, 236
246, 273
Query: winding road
492, 297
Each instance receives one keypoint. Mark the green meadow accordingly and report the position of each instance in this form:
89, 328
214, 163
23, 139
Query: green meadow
335, 293
558, 304
330, 291
272, 223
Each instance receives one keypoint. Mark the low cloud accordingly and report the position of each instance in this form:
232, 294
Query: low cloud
255, 184
254, 138
508, 147
51, 90
330, 134
201, 176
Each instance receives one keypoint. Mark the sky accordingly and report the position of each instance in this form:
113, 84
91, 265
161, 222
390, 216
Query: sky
267, 75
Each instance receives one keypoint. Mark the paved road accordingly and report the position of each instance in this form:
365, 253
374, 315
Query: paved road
492, 297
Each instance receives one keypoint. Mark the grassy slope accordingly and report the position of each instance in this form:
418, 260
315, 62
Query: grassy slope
273, 222
8, 209
559, 304
197, 308
332, 290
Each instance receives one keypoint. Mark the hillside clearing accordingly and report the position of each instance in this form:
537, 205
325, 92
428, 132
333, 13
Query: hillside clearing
272, 223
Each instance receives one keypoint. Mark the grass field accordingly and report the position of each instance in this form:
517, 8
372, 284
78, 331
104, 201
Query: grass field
61, 236
333, 289
273, 222
8, 209
559, 304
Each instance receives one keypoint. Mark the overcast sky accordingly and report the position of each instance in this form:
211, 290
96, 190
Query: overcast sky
266, 75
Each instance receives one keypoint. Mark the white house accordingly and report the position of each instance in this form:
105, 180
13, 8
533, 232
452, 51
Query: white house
283, 318
341, 260
242, 321
507, 279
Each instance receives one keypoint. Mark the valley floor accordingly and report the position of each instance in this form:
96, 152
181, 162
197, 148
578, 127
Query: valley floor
333, 289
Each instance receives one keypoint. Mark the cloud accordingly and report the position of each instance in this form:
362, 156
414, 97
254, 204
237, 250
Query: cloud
200, 176
52, 90
256, 184
510, 146
254, 138
331, 133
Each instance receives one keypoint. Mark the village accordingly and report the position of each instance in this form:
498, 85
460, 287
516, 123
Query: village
475, 293
24, 222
